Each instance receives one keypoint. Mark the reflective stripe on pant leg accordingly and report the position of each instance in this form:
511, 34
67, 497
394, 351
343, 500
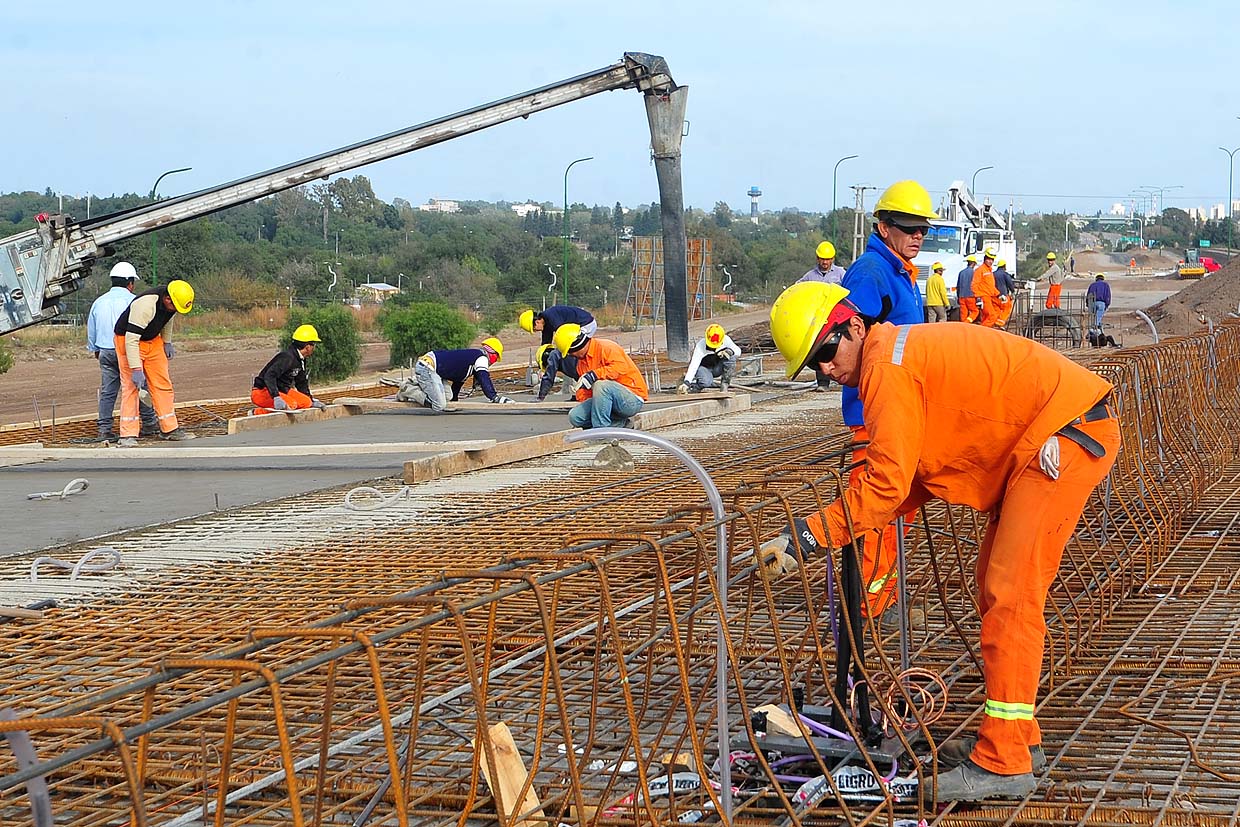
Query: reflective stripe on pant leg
130, 423
1025, 545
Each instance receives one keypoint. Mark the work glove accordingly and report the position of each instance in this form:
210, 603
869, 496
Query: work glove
785, 553
979, 304
1048, 457
318, 403
682, 388
279, 404
139, 379
587, 380
503, 400
169, 350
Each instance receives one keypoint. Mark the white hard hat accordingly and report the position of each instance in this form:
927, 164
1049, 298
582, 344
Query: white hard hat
123, 270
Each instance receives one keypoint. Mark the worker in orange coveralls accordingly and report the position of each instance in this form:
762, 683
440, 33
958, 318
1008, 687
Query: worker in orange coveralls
986, 291
1028, 452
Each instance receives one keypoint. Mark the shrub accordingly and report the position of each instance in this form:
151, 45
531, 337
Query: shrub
6, 358
425, 326
340, 353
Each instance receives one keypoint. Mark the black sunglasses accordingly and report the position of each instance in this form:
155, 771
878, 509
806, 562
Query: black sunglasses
826, 351
920, 228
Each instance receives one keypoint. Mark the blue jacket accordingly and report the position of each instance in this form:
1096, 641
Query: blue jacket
558, 314
879, 282
964, 282
458, 365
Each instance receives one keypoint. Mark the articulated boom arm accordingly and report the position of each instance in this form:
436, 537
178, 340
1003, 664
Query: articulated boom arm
39, 266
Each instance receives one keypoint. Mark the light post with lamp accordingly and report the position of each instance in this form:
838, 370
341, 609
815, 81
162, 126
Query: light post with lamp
1231, 168
155, 234
835, 170
567, 224
973, 184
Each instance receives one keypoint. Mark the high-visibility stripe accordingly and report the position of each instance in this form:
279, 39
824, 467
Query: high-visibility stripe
165, 416
877, 585
1009, 711
897, 353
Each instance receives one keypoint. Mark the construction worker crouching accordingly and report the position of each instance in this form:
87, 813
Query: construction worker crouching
714, 357
456, 366
284, 383
936, 294
142, 353
1028, 452
610, 388
550, 362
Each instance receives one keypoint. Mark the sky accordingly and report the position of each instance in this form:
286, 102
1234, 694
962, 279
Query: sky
1073, 104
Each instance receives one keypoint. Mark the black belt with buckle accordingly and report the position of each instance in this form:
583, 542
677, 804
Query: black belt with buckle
1100, 410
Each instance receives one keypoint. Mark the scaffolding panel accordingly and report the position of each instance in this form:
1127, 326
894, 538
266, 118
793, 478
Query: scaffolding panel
644, 300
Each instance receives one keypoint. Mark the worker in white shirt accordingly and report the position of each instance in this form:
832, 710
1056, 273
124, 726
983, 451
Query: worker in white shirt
714, 357
101, 343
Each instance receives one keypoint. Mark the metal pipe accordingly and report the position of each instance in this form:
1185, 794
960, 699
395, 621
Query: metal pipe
1148, 321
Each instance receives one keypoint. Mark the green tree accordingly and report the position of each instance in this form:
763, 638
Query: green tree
340, 353
421, 327
6, 358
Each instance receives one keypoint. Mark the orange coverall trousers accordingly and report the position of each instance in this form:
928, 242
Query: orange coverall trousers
295, 399
968, 310
879, 552
158, 384
1016, 565
1052, 296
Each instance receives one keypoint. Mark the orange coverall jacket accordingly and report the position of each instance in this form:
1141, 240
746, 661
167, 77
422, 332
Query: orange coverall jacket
929, 439
609, 361
985, 289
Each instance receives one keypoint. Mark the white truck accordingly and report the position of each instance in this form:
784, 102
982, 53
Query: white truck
966, 227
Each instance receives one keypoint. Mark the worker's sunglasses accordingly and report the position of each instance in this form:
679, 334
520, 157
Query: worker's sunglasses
921, 229
827, 349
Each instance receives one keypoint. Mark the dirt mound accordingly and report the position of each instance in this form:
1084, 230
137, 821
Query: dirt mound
1212, 297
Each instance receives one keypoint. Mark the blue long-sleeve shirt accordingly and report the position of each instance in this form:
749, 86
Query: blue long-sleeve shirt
1099, 291
558, 314
964, 283
1004, 282
458, 365
882, 287
101, 323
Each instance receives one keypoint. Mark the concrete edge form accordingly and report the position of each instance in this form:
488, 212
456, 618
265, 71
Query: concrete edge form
280, 419
460, 462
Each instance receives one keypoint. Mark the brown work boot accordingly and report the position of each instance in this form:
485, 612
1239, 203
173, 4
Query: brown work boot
969, 782
957, 751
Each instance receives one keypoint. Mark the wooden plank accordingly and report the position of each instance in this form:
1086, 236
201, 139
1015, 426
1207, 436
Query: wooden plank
17, 611
516, 450
507, 778
384, 405
283, 419
182, 452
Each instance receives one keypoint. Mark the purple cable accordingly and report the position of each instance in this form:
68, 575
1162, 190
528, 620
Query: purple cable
823, 729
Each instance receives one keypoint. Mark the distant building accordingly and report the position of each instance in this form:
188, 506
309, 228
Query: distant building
1235, 206
525, 209
1118, 209
1218, 212
440, 205
1197, 213
377, 292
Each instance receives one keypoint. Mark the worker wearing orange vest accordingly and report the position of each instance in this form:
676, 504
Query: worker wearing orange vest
985, 290
142, 354
1028, 452
610, 388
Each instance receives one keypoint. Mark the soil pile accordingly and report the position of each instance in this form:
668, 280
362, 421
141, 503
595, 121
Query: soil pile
1215, 296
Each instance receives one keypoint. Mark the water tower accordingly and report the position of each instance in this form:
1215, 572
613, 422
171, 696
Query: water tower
754, 194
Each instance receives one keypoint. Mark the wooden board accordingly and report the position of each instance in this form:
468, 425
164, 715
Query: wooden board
282, 419
467, 446
507, 778
383, 405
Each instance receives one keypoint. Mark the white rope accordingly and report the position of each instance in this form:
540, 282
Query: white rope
88, 564
373, 505
75, 486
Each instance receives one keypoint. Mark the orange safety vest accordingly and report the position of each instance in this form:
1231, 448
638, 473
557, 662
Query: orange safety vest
928, 440
610, 361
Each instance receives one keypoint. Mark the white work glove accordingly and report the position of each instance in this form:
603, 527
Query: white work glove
169, 350
139, 379
587, 380
1048, 457
318, 403
503, 400
682, 388
279, 404
979, 304
775, 559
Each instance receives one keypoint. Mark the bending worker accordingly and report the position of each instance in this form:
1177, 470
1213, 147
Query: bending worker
550, 362
883, 283
142, 353
1055, 275
1028, 452
284, 384
714, 357
456, 366
101, 341
610, 388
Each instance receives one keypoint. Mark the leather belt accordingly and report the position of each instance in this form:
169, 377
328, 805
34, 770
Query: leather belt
1100, 410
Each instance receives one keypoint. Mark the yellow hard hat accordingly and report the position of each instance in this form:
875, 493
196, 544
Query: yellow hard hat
800, 316
971, 258
715, 334
938, 265
989, 253
1001, 263
569, 337
306, 333
542, 355
182, 295
1050, 256
526, 321
495, 345
908, 197
825, 250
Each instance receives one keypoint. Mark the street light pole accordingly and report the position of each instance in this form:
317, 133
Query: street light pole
155, 234
567, 224
834, 171
973, 185
1231, 168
